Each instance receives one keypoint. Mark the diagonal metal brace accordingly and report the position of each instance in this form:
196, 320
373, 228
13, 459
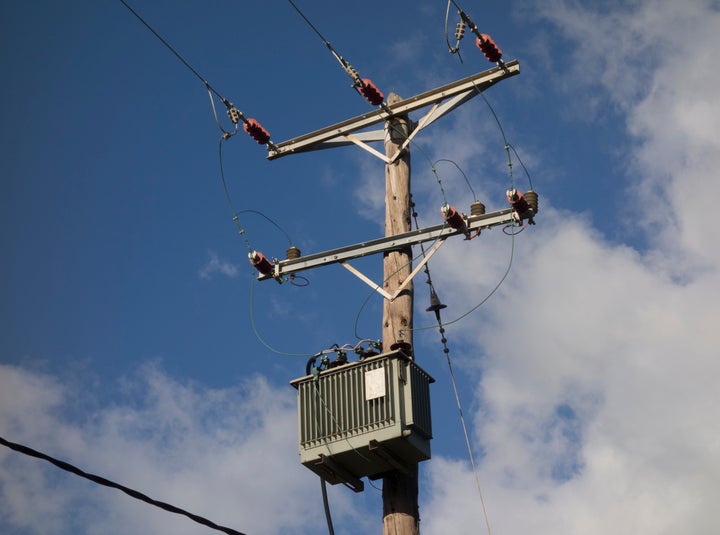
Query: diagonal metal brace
378, 287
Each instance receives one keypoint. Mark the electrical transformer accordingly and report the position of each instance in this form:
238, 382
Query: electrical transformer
364, 418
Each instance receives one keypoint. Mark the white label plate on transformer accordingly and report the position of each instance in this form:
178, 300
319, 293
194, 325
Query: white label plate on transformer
374, 384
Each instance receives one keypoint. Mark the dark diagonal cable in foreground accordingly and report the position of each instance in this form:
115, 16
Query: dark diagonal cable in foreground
107, 483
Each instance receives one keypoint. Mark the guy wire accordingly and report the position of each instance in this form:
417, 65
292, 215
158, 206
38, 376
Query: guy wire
446, 350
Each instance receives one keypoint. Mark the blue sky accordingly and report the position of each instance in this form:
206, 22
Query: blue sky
127, 344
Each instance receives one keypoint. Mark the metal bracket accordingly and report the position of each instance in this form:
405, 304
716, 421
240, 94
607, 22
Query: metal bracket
336, 471
338, 134
399, 290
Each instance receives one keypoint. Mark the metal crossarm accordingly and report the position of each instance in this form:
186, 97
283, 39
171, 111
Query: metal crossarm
389, 243
339, 134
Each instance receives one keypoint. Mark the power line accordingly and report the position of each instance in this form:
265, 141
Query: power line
175, 52
251, 126
107, 483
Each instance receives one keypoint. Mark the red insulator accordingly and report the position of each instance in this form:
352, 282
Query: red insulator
488, 47
256, 131
370, 91
259, 262
517, 201
453, 217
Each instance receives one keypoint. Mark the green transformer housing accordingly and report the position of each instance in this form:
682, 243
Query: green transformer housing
364, 418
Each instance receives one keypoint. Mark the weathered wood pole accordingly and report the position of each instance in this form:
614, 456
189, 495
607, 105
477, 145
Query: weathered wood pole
400, 490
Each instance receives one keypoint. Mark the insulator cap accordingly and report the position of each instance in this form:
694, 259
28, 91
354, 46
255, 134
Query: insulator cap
477, 208
435, 303
256, 131
405, 347
370, 91
491, 51
292, 253
532, 198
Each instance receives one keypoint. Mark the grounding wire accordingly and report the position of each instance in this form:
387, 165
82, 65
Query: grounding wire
241, 230
527, 173
107, 483
467, 181
236, 213
487, 297
257, 332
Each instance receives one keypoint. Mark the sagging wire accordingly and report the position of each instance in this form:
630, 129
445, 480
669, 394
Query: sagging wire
235, 218
251, 126
260, 338
107, 483
524, 205
257, 259
490, 294
450, 214
494, 55
364, 86
459, 32
467, 181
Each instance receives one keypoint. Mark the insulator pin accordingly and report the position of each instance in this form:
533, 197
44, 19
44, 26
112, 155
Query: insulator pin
260, 262
477, 208
256, 131
370, 91
292, 253
491, 51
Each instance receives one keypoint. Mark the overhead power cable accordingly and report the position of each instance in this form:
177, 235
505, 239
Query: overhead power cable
107, 483
251, 126
171, 49
364, 86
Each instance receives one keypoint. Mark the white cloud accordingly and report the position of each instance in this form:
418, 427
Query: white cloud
215, 265
597, 386
226, 454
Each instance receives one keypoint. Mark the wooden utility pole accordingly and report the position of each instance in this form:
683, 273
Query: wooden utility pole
400, 490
